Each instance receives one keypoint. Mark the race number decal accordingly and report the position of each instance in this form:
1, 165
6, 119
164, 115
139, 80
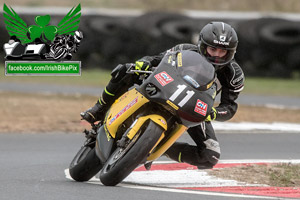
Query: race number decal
180, 89
163, 78
201, 108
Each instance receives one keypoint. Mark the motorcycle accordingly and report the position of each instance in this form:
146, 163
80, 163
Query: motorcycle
147, 119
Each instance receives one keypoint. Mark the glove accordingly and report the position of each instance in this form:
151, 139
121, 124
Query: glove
212, 116
142, 65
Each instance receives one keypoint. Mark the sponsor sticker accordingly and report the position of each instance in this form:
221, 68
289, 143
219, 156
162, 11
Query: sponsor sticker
163, 78
163, 121
123, 110
222, 38
201, 107
170, 59
179, 60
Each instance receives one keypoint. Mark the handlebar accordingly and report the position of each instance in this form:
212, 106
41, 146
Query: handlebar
132, 70
139, 71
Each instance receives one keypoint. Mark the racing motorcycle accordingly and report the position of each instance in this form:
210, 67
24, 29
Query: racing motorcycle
146, 120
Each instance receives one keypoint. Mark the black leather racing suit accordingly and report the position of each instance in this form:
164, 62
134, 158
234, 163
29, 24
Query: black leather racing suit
207, 151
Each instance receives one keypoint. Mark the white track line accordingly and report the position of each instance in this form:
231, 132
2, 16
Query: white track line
251, 126
96, 181
211, 181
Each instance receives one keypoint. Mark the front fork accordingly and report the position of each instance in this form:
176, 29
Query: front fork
162, 148
91, 135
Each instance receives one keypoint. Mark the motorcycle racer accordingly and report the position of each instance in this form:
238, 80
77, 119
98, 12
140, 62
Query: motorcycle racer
218, 42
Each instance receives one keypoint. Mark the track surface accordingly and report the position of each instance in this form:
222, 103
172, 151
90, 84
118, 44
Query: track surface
32, 166
291, 102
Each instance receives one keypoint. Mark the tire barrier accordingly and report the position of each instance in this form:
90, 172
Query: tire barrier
267, 46
281, 36
293, 59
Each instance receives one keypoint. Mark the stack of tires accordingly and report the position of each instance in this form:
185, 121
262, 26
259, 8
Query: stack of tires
126, 39
269, 47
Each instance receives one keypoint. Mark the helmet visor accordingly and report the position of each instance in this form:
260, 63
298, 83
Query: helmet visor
215, 60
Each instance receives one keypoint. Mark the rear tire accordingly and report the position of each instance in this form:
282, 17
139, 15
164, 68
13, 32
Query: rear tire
115, 170
85, 164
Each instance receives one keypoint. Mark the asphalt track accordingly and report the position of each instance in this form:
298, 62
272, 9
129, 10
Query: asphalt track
247, 99
32, 167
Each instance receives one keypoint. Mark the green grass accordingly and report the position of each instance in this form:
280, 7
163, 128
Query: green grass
284, 175
100, 77
272, 86
87, 78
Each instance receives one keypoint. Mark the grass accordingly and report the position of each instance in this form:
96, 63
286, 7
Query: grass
284, 175
272, 86
100, 77
94, 77
276, 175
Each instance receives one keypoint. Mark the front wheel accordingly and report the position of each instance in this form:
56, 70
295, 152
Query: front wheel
123, 160
85, 164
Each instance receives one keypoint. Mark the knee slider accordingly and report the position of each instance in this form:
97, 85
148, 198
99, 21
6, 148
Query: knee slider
212, 151
212, 156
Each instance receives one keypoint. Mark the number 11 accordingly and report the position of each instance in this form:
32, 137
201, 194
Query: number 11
180, 89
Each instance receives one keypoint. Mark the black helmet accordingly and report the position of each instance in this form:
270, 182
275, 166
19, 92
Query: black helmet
218, 35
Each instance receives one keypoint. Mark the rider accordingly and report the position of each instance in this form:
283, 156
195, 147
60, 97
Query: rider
217, 43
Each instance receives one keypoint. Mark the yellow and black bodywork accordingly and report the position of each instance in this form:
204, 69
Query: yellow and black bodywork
174, 97
125, 107
145, 121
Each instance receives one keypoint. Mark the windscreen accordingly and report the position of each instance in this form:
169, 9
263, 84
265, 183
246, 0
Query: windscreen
195, 69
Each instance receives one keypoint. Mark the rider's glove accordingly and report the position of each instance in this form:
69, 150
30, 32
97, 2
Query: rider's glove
212, 116
142, 65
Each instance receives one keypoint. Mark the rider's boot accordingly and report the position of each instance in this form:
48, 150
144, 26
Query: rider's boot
95, 113
116, 87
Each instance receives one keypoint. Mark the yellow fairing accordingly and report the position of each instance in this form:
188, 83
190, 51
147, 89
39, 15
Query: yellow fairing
155, 118
179, 130
123, 107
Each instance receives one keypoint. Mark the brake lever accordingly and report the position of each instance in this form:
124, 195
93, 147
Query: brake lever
140, 71
130, 70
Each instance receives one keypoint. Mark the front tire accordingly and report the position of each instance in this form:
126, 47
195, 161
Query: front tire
118, 168
85, 164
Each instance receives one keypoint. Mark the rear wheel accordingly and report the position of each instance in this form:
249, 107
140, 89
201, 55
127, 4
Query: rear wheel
85, 164
124, 160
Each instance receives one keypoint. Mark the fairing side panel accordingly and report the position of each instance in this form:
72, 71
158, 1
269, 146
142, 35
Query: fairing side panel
123, 107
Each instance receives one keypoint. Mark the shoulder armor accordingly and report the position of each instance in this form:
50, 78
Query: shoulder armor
236, 78
185, 46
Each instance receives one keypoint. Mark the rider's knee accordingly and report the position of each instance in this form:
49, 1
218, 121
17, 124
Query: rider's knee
210, 154
211, 158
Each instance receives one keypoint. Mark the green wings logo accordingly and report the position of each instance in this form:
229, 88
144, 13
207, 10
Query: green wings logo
16, 26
